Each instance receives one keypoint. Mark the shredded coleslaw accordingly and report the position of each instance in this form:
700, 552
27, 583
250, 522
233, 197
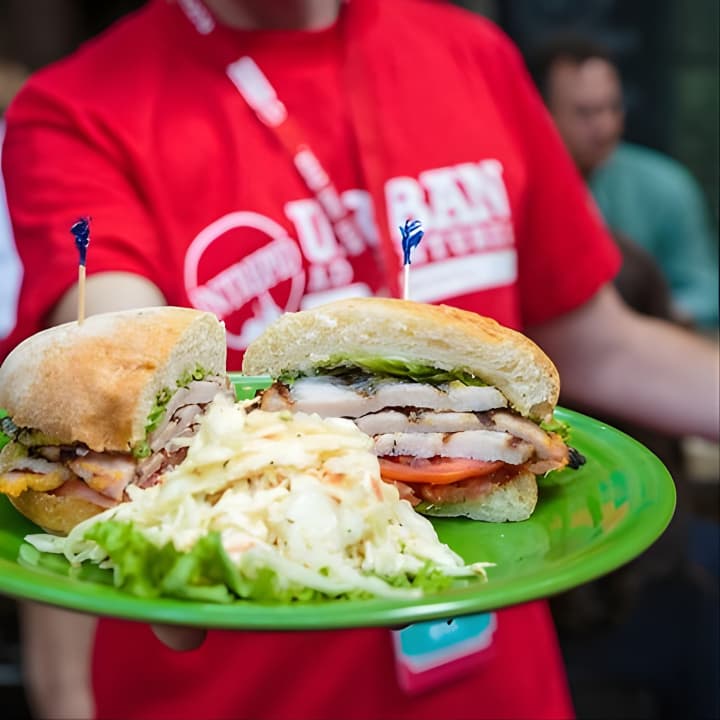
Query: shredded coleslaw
296, 502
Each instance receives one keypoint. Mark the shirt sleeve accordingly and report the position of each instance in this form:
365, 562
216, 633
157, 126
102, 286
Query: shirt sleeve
565, 252
688, 250
59, 164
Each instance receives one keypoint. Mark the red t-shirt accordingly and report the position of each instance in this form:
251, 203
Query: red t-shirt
414, 109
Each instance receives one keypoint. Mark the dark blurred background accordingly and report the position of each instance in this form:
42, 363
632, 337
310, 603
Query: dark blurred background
667, 53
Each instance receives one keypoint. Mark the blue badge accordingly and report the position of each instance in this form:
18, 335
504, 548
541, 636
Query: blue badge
435, 652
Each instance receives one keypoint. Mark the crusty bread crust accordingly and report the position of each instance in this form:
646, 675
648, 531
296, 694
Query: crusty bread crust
56, 514
436, 335
97, 381
512, 501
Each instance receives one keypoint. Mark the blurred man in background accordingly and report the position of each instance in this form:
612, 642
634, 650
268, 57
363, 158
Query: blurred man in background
621, 616
643, 194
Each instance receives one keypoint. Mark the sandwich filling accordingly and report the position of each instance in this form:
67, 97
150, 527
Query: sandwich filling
33, 461
441, 437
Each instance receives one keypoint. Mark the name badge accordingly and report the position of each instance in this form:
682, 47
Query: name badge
437, 652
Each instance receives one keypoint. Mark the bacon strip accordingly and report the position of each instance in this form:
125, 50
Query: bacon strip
78, 489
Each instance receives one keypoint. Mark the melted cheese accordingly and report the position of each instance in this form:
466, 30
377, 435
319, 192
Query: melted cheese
17, 481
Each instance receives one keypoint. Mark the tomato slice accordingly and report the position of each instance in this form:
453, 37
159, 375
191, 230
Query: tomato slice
436, 470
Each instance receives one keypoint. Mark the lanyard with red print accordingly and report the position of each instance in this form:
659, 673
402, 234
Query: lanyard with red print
260, 95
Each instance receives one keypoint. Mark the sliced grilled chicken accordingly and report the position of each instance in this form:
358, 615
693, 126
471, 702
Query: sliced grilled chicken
474, 444
329, 397
551, 451
395, 421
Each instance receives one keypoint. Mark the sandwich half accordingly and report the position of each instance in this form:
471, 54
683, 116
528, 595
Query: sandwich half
94, 407
457, 405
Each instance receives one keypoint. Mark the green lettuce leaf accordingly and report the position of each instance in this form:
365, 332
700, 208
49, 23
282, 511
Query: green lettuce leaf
147, 570
206, 573
385, 367
557, 426
4, 439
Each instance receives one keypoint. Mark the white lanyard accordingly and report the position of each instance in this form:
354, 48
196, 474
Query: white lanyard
257, 91
259, 94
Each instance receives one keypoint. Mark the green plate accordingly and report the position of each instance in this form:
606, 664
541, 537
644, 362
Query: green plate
593, 521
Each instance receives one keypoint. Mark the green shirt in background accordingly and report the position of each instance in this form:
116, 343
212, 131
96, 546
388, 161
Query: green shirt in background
657, 203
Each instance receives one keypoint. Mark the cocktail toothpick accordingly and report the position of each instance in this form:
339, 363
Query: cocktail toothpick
411, 236
81, 232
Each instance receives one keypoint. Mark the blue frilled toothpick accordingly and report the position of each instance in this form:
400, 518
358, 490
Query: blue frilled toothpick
411, 235
80, 230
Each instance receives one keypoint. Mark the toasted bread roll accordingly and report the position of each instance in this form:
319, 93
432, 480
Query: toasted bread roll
435, 335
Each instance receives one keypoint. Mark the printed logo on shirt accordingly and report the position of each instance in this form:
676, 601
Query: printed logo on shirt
469, 242
247, 269
244, 264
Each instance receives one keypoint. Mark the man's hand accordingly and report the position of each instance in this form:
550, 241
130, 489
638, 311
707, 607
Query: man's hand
180, 638
56, 654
